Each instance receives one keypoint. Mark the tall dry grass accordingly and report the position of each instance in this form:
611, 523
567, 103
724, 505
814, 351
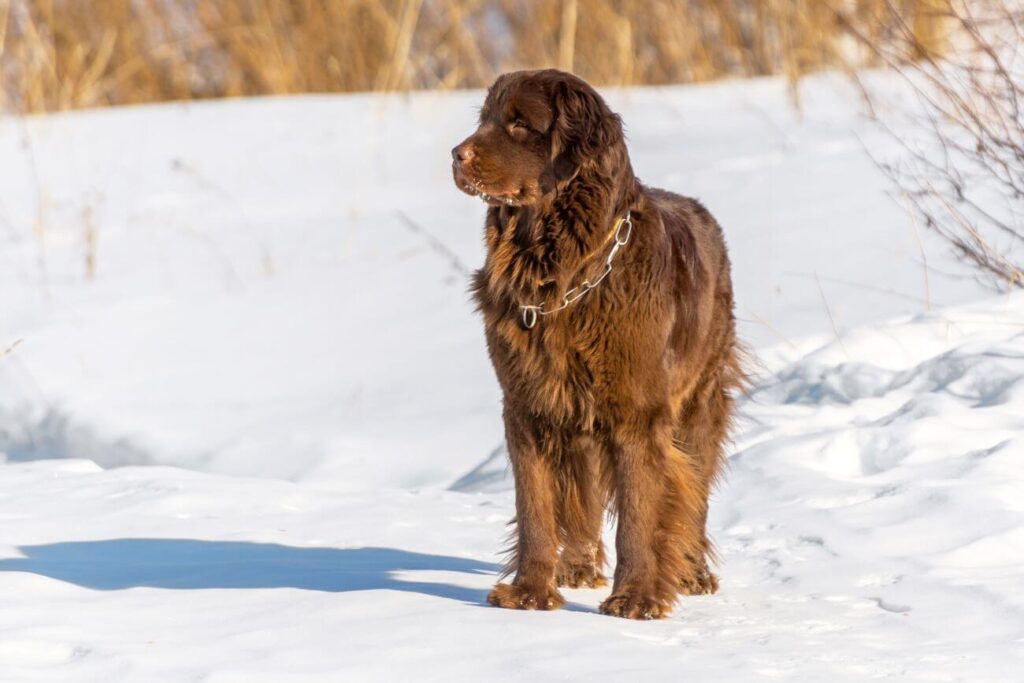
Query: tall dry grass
63, 54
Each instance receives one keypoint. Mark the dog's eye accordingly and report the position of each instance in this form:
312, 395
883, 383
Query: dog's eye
518, 125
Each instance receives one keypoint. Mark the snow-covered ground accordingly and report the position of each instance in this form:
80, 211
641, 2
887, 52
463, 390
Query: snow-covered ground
263, 441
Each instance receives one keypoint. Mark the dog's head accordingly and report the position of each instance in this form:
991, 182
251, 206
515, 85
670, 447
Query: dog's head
537, 130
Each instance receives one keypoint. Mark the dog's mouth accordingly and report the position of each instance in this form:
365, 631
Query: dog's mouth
476, 188
492, 199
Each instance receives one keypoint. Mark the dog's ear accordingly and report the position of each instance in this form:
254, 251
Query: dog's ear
583, 129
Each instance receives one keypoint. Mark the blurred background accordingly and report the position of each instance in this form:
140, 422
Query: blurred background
66, 54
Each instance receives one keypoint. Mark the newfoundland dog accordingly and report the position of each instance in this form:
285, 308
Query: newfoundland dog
608, 310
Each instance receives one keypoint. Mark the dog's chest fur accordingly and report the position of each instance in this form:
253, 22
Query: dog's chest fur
563, 368
551, 371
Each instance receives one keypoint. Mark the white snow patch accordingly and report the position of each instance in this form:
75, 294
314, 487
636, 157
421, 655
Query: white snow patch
264, 442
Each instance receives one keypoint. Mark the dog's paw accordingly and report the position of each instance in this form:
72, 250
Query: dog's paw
585, 575
511, 596
635, 606
702, 582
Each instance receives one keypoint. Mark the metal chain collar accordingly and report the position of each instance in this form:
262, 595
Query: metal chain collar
622, 233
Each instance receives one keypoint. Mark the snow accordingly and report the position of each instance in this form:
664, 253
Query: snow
263, 442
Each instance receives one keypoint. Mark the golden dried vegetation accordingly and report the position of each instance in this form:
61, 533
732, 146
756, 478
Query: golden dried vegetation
65, 54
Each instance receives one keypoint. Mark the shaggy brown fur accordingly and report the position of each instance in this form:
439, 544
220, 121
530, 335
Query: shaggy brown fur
625, 397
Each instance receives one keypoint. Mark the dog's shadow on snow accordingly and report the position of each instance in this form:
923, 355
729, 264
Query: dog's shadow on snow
188, 564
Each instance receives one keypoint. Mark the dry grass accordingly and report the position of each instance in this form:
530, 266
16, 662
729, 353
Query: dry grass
64, 54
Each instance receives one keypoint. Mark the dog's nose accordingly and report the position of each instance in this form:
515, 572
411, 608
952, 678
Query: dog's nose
462, 153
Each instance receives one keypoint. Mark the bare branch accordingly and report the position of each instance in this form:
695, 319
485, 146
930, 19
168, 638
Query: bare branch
961, 168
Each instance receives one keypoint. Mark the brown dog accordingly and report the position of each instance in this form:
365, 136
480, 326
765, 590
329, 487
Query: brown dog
609, 317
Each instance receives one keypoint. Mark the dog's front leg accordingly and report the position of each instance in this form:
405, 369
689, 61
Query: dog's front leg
580, 514
535, 553
653, 494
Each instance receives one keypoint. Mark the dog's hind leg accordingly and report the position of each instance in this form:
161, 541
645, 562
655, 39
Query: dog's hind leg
704, 431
